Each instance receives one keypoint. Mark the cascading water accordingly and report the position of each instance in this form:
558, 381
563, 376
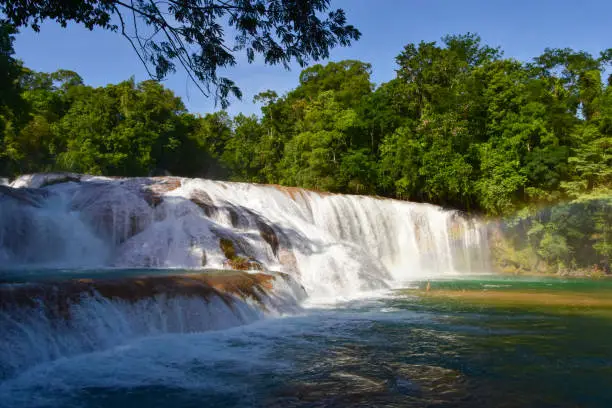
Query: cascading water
45, 321
329, 245
45, 232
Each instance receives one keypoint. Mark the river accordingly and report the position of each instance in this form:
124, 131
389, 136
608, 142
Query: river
394, 348
114, 292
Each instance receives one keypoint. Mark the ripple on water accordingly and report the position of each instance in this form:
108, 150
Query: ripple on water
388, 352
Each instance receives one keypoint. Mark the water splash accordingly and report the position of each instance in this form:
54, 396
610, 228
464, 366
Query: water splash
332, 247
49, 320
332, 243
43, 231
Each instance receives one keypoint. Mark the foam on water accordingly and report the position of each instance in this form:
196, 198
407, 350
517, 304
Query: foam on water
220, 362
53, 326
333, 244
339, 248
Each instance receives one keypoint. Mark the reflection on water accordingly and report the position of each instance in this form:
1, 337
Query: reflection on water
400, 350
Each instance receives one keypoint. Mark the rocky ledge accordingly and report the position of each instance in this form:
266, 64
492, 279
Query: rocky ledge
56, 297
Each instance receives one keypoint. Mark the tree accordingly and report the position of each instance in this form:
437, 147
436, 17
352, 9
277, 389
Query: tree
242, 154
446, 174
579, 73
591, 160
11, 103
313, 157
126, 129
400, 160
349, 79
190, 33
10, 68
433, 73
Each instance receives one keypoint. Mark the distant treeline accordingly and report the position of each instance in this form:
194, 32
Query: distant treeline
459, 126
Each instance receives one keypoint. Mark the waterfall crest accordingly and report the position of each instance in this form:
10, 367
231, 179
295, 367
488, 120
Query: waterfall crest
331, 243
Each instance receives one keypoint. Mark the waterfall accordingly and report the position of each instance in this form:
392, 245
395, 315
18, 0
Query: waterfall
41, 230
291, 241
331, 243
45, 321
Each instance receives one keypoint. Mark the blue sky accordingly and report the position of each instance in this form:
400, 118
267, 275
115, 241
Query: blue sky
522, 28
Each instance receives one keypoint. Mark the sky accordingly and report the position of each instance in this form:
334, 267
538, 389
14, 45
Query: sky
522, 28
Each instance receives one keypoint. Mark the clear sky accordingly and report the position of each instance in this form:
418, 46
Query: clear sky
523, 28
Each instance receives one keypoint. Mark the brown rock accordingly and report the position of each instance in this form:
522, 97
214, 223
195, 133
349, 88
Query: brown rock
268, 234
56, 298
203, 200
153, 192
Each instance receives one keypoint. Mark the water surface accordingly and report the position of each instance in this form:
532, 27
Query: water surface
449, 346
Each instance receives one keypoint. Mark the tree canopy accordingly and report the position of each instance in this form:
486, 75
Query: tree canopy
202, 36
459, 126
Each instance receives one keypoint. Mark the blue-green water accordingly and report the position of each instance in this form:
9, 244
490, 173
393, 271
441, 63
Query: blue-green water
401, 348
33, 275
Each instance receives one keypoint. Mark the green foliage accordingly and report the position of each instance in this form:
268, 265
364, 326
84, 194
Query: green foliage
124, 129
11, 102
349, 79
565, 237
459, 126
314, 155
190, 33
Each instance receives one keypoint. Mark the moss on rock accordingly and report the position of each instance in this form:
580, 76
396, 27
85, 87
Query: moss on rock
228, 248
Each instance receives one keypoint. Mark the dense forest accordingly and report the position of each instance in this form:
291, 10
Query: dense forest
459, 126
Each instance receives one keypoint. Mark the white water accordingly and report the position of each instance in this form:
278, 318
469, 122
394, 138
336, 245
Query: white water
228, 362
333, 244
336, 246
35, 335
48, 236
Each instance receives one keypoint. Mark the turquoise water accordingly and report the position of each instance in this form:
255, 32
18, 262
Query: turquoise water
398, 348
33, 275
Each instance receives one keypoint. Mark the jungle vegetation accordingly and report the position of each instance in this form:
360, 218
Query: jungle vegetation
460, 126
